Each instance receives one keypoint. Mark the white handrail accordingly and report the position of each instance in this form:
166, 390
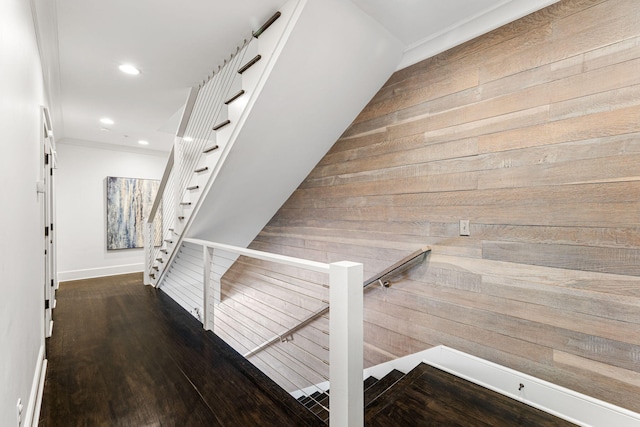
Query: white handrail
346, 335
163, 183
188, 110
265, 256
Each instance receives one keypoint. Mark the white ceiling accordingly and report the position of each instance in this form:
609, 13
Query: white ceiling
176, 44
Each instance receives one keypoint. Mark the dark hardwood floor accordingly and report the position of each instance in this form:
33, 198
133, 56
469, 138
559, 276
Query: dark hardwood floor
123, 354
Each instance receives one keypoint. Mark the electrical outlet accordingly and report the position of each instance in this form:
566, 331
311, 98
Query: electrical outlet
19, 409
464, 227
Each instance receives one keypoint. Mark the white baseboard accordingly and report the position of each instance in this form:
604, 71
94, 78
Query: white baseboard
36, 412
570, 405
567, 404
32, 413
402, 364
91, 273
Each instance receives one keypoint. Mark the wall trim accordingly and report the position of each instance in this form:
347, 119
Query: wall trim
562, 402
91, 273
476, 25
113, 147
32, 413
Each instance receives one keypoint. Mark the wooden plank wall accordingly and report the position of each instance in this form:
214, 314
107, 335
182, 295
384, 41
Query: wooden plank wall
261, 300
532, 133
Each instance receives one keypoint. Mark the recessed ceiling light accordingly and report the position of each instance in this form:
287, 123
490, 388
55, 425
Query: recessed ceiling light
143, 142
129, 69
106, 121
187, 139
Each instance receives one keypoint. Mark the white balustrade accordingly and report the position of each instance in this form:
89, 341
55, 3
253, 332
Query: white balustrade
345, 328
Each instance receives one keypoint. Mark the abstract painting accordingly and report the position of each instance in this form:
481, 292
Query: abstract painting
129, 201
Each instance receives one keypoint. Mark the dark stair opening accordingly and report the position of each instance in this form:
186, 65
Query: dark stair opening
381, 386
318, 402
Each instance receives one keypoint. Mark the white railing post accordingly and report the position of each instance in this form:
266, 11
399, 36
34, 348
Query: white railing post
346, 344
177, 189
211, 291
149, 240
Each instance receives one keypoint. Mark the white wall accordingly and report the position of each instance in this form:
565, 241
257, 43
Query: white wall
81, 208
22, 236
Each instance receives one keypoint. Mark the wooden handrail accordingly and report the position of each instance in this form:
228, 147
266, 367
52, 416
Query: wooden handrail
403, 263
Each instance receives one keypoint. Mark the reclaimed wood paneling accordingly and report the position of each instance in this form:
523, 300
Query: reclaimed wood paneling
532, 133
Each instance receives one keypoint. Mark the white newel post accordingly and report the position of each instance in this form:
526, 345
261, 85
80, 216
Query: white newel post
208, 287
214, 290
346, 344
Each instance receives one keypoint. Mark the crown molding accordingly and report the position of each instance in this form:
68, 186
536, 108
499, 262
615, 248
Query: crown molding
112, 147
45, 21
476, 25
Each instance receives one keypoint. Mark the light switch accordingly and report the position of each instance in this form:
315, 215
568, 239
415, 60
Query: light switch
464, 227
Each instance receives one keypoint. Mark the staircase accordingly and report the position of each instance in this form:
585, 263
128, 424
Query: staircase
429, 396
252, 132
318, 402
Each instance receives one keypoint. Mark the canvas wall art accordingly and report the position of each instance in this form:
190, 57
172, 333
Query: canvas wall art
129, 201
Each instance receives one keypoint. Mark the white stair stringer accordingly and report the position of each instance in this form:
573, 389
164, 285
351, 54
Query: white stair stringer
321, 62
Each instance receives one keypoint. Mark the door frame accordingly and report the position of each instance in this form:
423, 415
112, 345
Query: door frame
47, 188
